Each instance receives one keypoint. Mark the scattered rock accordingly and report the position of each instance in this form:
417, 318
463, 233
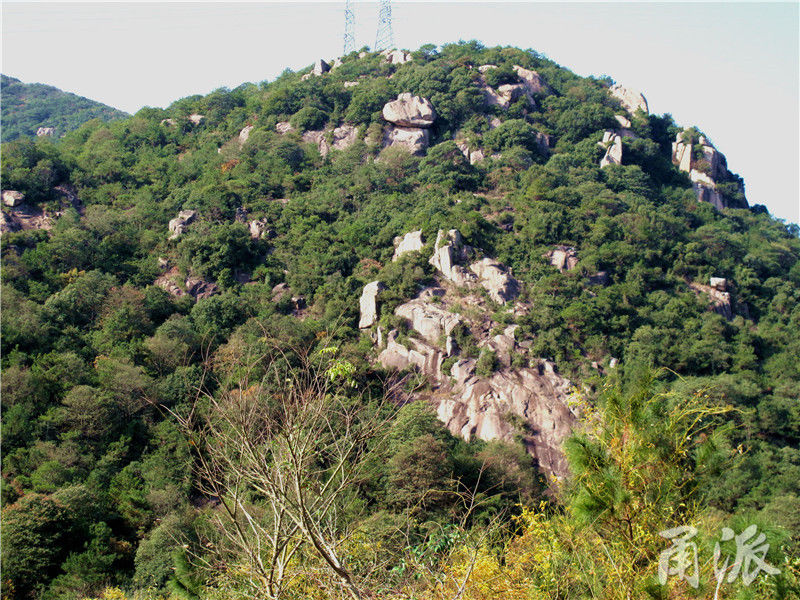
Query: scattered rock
178, 225
631, 100
563, 258
410, 242
45, 132
13, 198
368, 304
496, 279
409, 111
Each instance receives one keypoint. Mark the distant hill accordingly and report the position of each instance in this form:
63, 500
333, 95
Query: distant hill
28, 106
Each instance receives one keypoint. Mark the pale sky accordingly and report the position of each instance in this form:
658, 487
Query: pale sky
729, 68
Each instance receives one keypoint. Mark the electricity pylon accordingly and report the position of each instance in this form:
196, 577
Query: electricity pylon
349, 28
384, 39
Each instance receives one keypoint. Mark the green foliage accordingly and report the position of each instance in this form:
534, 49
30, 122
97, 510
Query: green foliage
28, 106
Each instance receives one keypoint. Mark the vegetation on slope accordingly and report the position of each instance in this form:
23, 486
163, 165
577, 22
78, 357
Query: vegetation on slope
29, 106
110, 383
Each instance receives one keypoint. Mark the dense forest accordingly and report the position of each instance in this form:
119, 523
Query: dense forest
193, 405
27, 107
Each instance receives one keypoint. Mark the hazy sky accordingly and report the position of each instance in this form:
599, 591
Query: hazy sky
729, 68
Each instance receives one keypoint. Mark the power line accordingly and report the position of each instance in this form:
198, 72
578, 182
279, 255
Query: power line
349, 28
384, 39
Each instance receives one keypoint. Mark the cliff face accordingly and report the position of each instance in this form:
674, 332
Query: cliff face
495, 390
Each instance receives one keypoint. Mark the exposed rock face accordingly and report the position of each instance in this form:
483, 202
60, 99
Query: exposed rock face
631, 100
612, 142
428, 319
8, 223
244, 134
599, 278
537, 395
196, 119
368, 304
493, 98
178, 225
450, 250
257, 228
496, 279
344, 136
200, 288
474, 156
318, 139
410, 242
720, 300
413, 139
13, 198
320, 67
420, 355
704, 172
623, 121
718, 283
348, 84
46, 131
170, 122
532, 81
283, 127
511, 92
563, 258
396, 57
484, 68
409, 111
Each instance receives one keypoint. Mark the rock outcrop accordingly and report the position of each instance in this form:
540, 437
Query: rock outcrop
244, 134
396, 57
563, 258
496, 279
195, 119
449, 251
414, 139
283, 127
344, 136
13, 198
485, 407
612, 142
409, 111
193, 286
410, 242
427, 359
532, 81
45, 132
178, 225
706, 167
368, 304
720, 300
257, 228
200, 288
631, 100
427, 318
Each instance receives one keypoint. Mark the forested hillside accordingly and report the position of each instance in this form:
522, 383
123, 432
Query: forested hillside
27, 107
454, 323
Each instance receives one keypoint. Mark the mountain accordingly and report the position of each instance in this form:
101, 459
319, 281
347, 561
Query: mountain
446, 323
36, 109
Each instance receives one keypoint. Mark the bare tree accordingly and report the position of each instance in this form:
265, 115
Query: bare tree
281, 447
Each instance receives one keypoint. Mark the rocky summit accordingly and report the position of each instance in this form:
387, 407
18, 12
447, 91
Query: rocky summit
452, 322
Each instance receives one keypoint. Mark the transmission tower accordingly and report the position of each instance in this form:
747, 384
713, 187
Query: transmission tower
349, 28
384, 39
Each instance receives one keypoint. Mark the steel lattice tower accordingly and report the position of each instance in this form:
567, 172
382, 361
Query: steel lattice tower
384, 39
349, 28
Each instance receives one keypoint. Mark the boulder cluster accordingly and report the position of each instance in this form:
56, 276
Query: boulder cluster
410, 118
706, 166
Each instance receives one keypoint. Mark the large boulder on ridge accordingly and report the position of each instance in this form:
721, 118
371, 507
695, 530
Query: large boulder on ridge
409, 111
